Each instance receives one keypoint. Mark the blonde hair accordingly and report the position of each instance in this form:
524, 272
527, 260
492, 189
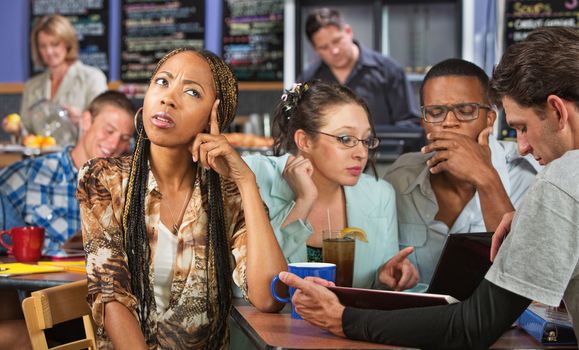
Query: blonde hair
61, 28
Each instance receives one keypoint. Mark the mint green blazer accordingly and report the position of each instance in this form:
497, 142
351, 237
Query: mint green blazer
370, 205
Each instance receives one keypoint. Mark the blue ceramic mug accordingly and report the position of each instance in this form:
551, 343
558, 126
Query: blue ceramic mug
326, 271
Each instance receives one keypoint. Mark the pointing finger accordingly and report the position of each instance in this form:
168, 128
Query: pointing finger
214, 122
403, 254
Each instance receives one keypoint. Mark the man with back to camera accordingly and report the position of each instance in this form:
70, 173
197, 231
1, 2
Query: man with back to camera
463, 180
379, 80
41, 191
537, 83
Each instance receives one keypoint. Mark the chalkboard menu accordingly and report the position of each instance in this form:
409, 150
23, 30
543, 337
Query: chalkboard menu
150, 29
90, 20
524, 16
253, 39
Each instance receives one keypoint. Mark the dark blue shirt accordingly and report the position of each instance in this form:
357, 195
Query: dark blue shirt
380, 81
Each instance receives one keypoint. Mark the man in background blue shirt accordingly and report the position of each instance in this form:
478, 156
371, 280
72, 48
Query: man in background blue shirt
41, 191
379, 80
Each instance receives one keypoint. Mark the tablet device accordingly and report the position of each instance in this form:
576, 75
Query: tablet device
388, 300
463, 263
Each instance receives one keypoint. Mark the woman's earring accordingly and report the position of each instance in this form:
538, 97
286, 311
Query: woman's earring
140, 110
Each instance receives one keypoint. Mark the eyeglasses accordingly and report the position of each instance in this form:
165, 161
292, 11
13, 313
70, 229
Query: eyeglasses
351, 141
462, 111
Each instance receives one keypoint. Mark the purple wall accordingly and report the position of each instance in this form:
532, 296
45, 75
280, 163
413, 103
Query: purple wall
14, 39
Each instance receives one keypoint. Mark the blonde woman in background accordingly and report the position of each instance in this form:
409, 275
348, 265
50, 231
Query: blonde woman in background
66, 81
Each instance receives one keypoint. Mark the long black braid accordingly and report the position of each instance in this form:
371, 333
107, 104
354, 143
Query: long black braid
135, 236
218, 252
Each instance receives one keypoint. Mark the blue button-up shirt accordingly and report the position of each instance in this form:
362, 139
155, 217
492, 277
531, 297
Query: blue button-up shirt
41, 191
417, 206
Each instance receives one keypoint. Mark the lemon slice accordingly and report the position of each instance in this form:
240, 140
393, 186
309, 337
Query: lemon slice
354, 232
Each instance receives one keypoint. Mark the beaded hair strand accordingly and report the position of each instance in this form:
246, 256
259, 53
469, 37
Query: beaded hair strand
218, 250
135, 238
217, 247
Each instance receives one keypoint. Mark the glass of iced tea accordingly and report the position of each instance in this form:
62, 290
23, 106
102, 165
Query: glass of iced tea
340, 251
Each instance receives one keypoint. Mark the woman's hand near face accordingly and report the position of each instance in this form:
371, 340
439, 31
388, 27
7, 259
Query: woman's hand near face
214, 151
298, 174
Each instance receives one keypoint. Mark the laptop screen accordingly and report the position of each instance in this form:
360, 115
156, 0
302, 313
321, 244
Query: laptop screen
464, 261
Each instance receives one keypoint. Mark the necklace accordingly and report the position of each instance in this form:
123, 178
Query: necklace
182, 212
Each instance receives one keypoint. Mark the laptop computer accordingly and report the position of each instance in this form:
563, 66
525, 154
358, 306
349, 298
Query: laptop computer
463, 263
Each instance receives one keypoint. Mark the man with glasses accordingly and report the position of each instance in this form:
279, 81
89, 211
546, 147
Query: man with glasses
537, 84
379, 80
463, 180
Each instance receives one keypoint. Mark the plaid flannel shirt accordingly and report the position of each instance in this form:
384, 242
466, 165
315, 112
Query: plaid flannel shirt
42, 192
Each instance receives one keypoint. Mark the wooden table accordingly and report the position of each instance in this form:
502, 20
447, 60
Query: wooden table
24, 284
280, 331
7, 158
40, 280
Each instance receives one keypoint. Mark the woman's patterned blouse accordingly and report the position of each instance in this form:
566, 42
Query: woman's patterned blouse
185, 324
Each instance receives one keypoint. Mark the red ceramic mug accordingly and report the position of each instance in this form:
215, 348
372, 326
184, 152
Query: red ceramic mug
27, 243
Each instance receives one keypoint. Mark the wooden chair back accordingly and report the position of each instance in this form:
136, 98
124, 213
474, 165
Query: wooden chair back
48, 307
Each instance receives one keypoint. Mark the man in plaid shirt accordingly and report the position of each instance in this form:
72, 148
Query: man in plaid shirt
41, 191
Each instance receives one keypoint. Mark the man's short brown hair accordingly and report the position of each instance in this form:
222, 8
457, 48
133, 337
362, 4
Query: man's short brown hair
320, 18
110, 98
545, 63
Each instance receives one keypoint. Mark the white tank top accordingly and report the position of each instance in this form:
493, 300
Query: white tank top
163, 266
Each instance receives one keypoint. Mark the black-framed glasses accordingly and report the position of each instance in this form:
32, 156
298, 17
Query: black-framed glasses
351, 141
462, 111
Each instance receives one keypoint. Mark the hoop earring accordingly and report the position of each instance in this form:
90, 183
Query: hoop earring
142, 127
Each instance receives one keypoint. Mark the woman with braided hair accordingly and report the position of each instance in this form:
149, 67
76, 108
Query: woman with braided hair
324, 138
166, 228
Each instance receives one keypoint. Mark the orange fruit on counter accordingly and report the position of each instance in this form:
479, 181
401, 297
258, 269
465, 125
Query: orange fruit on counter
39, 141
47, 141
32, 141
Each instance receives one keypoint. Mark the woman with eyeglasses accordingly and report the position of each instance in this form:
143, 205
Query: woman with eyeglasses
324, 138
